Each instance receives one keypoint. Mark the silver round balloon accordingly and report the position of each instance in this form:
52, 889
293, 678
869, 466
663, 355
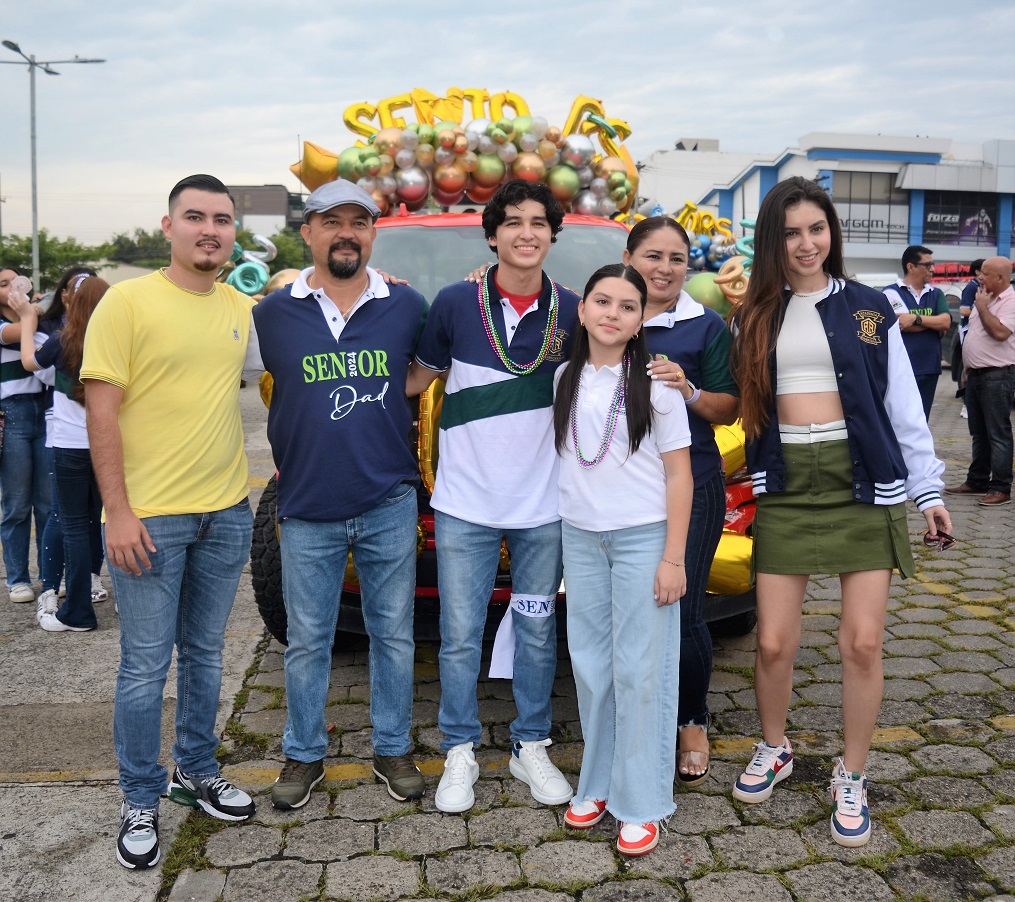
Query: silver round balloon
577, 151
368, 183
477, 127
405, 158
486, 144
443, 155
408, 139
528, 142
387, 184
606, 206
412, 184
586, 176
599, 187
586, 202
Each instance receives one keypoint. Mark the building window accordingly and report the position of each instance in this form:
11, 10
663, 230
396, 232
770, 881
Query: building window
871, 209
960, 217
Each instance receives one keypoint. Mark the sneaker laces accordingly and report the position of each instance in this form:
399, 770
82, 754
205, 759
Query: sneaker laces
456, 768
219, 785
293, 771
847, 791
400, 765
764, 758
140, 820
536, 752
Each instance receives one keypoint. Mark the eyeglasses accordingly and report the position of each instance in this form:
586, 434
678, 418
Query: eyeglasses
942, 541
927, 265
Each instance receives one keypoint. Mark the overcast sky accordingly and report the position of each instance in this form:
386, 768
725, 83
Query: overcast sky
233, 88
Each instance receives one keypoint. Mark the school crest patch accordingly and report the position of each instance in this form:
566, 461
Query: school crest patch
555, 352
869, 321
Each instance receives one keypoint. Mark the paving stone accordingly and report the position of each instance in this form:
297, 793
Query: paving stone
272, 880
818, 835
1002, 819
958, 730
815, 717
912, 648
974, 626
355, 744
965, 661
511, 826
457, 872
371, 878
366, 803
737, 886
724, 681
942, 829
739, 722
973, 643
888, 766
914, 630
953, 759
810, 657
328, 840
1003, 750
833, 881
922, 615
275, 678
1000, 865
822, 693
675, 858
487, 790
785, 808
422, 834
936, 878
950, 792
570, 861
351, 716
198, 886
271, 721
697, 813
243, 845
905, 690
350, 675
955, 705
533, 895
898, 713
1003, 783
631, 891
759, 848
1005, 676
963, 683
909, 667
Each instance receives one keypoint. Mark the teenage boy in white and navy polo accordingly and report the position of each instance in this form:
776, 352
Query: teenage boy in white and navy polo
499, 344
338, 342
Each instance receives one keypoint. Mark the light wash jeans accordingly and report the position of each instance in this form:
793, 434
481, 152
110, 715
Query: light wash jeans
24, 482
625, 654
184, 600
467, 556
314, 555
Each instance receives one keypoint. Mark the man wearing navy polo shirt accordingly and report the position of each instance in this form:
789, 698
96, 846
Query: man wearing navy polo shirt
499, 344
338, 342
923, 318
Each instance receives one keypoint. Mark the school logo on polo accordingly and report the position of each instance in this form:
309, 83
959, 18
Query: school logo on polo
869, 321
555, 351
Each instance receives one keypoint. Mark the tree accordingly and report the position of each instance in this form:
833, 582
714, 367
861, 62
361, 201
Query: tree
55, 256
147, 249
293, 252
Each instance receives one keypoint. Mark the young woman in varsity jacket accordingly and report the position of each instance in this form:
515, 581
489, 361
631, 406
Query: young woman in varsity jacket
836, 441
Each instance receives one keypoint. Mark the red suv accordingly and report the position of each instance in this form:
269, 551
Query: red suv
432, 251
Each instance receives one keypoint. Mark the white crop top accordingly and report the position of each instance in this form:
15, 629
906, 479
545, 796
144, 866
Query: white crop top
803, 359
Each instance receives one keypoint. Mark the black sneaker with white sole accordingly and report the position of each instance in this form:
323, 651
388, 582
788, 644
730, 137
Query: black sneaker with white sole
214, 795
137, 845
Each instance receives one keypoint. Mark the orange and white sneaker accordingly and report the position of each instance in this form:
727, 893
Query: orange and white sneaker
582, 815
637, 839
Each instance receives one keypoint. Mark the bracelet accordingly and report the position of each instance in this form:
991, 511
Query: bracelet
671, 563
695, 394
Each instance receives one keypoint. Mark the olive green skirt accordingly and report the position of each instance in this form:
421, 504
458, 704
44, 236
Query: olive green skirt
816, 527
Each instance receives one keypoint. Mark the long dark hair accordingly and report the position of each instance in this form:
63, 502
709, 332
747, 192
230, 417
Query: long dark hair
81, 299
58, 308
637, 384
760, 316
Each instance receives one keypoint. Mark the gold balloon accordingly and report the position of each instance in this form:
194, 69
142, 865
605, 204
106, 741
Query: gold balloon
353, 118
386, 110
582, 105
529, 166
461, 144
387, 163
382, 201
546, 149
507, 99
450, 178
446, 138
388, 140
317, 167
554, 135
424, 154
282, 278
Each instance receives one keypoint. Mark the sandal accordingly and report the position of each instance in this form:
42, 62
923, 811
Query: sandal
694, 760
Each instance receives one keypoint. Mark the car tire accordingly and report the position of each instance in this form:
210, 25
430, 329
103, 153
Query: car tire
266, 565
737, 625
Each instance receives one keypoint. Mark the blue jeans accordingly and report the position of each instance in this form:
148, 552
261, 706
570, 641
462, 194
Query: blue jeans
24, 481
708, 512
51, 562
989, 402
625, 653
184, 600
314, 556
467, 557
927, 385
80, 506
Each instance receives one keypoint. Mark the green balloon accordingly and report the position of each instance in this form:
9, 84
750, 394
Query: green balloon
564, 182
522, 124
348, 160
703, 289
426, 134
489, 170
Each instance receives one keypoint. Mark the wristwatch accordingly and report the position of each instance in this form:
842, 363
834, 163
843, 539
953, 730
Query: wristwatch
918, 321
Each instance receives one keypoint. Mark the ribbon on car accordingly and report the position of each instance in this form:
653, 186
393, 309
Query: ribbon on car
502, 661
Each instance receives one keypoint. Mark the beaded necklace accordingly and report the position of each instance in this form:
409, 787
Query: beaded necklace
518, 369
612, 415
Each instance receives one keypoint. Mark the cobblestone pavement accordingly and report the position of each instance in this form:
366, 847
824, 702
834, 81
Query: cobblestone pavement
942, 770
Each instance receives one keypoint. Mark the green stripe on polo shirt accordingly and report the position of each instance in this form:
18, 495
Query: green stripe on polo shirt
498, 399
11, 370
64, 383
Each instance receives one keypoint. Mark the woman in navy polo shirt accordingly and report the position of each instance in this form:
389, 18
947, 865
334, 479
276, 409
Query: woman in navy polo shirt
696, 343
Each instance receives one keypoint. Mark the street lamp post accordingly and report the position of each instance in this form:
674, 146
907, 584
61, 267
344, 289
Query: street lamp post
45, 66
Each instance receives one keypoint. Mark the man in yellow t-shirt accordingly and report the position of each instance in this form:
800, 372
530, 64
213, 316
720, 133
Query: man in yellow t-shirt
162, 363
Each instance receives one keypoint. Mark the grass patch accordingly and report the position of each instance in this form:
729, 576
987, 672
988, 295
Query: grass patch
188, 849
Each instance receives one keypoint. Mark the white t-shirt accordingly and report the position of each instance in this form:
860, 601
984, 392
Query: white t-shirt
622, 490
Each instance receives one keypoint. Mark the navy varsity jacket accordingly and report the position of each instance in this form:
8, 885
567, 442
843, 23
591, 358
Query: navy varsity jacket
890, 445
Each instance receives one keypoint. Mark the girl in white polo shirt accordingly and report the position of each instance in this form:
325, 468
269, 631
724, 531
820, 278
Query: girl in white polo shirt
625, 501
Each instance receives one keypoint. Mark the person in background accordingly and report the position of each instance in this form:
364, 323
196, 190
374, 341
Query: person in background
625, 502
923, 317
836, 440
24, 477
966, 302
77, 493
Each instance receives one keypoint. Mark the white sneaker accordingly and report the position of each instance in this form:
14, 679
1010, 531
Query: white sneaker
454, 792
99, 592
531, 765
62, 591
46, 603
20, 593
964, 413
52, 624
